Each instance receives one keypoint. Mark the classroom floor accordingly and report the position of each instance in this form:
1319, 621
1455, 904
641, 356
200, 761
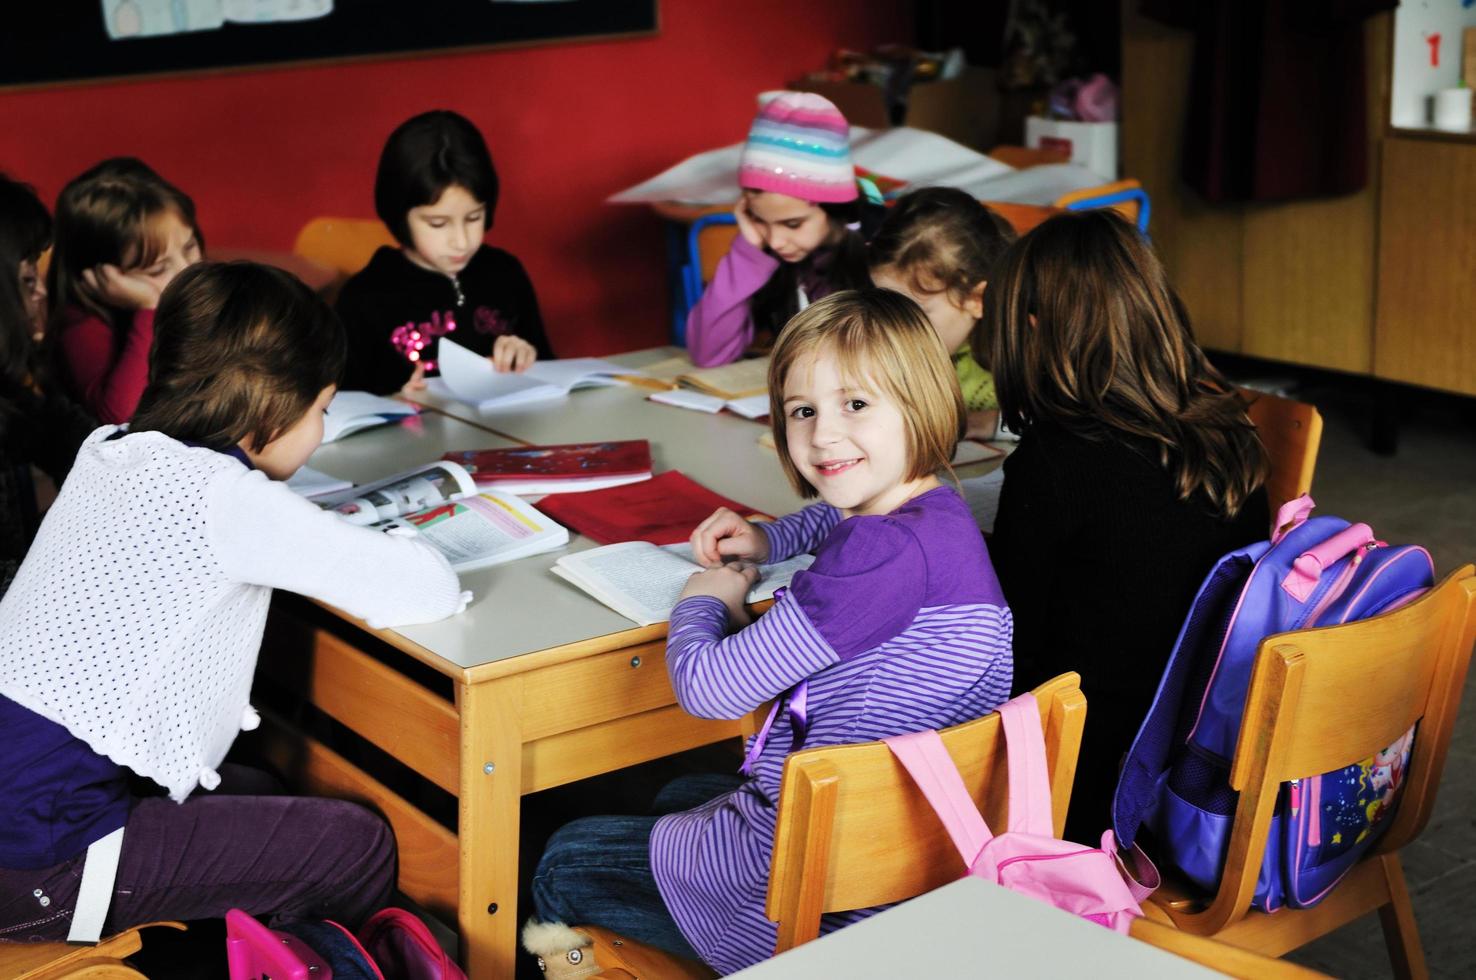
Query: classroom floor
1424, 494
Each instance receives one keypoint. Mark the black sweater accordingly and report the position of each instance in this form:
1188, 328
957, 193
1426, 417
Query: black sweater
392, 291
1100, 561
35, 430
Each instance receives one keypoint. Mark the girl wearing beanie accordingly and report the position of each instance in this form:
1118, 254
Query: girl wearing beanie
800, 221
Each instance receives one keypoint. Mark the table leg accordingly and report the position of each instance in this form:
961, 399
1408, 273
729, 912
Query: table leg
491, 791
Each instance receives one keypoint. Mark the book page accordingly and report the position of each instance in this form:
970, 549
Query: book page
571, 372
471, 378
484, 529
350, 411
403, 493
635, 578
737, 380
772, 578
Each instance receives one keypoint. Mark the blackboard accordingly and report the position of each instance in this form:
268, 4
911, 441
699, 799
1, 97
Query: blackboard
46, 41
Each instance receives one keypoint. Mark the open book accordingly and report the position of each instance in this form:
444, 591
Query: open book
440, 503
730, 382
469, 377
752, 407
351, 411
642, 581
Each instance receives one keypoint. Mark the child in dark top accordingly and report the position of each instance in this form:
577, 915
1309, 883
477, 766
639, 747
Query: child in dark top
122, 234
39, 426
1137, 469
436, 191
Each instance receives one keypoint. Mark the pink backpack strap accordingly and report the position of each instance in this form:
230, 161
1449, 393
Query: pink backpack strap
1030, 779
926, 759
1141, 876
1292, 515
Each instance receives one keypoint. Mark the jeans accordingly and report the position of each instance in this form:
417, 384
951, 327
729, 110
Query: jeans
282, 856
597, 870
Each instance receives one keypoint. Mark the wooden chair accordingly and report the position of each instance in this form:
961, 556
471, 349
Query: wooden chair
854, 831
1230, 960
343, 244
1291, 431
63, 961
1319, 700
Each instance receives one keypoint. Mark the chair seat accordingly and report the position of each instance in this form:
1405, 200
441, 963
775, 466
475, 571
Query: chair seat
53, 961
633, 959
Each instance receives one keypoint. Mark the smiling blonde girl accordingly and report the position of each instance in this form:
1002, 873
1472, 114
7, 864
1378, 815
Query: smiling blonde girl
899, 625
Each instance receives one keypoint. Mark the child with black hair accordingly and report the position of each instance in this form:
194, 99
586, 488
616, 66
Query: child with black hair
129, 637
436, 190
802, 228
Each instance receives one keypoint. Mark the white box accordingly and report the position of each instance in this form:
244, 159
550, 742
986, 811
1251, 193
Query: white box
1093, 145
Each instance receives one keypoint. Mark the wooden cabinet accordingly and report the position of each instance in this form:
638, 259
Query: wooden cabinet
1426, 323
1381, 282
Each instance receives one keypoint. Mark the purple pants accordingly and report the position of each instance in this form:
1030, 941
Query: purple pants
279, 856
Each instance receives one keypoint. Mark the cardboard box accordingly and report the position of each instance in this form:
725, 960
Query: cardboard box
1093, 145
964, 109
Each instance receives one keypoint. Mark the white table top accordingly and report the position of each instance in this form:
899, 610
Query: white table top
521, 607
972, 928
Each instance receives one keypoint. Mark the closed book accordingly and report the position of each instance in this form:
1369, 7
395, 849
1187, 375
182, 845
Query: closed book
581, 466
662, 510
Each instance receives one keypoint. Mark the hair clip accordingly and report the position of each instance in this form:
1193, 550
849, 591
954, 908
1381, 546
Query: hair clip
853, 226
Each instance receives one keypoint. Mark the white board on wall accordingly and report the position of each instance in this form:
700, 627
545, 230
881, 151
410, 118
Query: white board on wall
1416, 79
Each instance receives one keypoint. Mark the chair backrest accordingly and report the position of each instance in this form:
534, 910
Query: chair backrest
344, 244
1323, 699
854, 831
1126, 197
1291, 431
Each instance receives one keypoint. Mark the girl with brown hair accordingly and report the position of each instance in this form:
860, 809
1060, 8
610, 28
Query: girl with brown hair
1137, 468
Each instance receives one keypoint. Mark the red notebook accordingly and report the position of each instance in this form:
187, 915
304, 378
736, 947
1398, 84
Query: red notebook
557, 469
662, 510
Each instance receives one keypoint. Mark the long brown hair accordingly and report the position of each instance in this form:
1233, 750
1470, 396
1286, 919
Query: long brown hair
1082, 329
103, 216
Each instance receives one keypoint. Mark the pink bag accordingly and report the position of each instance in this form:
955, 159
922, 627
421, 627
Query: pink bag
392, 945
1029, 858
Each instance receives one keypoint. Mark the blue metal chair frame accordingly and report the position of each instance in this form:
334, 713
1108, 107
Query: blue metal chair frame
690, 274
1118, 197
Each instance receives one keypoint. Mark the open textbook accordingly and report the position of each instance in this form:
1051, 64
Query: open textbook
469, 377
350, 411
642, 581
440, 503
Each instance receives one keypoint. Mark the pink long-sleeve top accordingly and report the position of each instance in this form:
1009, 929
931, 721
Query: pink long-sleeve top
105, 376
719, 327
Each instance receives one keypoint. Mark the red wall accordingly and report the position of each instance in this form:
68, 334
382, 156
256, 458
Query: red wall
568, 124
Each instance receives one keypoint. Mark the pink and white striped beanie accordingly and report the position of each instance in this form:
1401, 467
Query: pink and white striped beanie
799, 145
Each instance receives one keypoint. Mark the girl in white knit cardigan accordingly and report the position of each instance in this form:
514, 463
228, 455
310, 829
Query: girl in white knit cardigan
129, 637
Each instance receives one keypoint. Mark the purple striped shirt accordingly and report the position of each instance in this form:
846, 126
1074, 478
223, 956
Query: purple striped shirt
899, 626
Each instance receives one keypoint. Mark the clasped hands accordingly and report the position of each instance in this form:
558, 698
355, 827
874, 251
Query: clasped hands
730, 549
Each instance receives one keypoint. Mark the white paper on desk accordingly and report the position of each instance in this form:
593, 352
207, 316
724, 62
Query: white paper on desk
1040, 185
569, 373
981, 493
471, 378
912, 155
752, 407
683, 398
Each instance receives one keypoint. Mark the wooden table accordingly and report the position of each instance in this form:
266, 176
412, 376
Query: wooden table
972, 928
534, 686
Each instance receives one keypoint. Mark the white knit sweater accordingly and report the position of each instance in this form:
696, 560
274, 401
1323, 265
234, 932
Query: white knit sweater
136, 618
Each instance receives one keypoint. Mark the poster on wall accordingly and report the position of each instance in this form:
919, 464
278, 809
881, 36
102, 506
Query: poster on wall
77, 40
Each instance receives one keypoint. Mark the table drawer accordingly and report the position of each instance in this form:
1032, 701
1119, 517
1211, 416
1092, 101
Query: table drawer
595, 689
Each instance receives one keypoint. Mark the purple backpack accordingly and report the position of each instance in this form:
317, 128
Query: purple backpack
1317, 571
